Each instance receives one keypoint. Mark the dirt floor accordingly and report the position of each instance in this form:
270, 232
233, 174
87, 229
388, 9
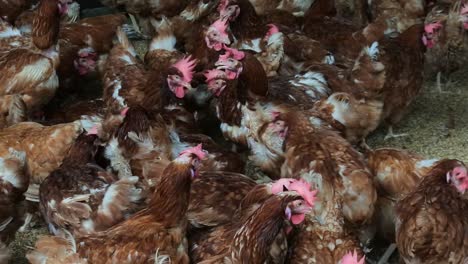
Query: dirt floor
436, 125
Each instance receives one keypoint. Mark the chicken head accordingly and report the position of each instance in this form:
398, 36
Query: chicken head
230, 63
216, 81
180, 76
459, 178
192, 156
464, 16
429, 32
228, 11
216, 36
86, 61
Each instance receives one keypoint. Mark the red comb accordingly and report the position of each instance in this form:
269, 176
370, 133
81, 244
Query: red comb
303, 188
431, 27
280, 184
352, 258
222, 5
186, 66
220, 25
124, 111
234, 53
197, 150
214, 74
93, 130
273, 30
464, 9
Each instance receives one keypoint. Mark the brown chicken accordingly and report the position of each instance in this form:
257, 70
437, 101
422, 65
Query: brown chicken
144, 10
215, 197
404, 74
12, 110
83, 44
324, 237
127, 83
14, 181
31, 72
252, 243
432, 219
45, 146
304, 157
11, 9
69, 10
445, 37
214, 244
155, 234
397, 172
82, 197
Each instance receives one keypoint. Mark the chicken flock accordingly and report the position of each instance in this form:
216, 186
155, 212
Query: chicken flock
132, 158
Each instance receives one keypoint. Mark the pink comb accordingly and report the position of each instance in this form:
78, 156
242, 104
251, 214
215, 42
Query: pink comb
464, 9
273, 30
303, 188
186, 66
197, 150
93, 130
220, 25
222, 5
352, 258
233, 53
280, 184
214, 74
124, 111
85, 52
431, 27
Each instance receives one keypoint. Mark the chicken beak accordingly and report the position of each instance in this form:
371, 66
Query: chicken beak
221, 66
186, 85
225, 39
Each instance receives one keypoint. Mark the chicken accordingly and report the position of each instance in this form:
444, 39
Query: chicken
145, 9
355, 38
74, 111
11, 9
355, 113
444, 37
404, 75
12, 110
143, 132
263, 225
323, 240
140, 133
45, 146
213, 244
127, 83
83, 44
354, 10
69, 9
355, 118
14, 180
301, 90
31, 72
299, 49
208, 208
162, 51
432, 218
397, 172
82, 197
157, 233
413, 8
324, 147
